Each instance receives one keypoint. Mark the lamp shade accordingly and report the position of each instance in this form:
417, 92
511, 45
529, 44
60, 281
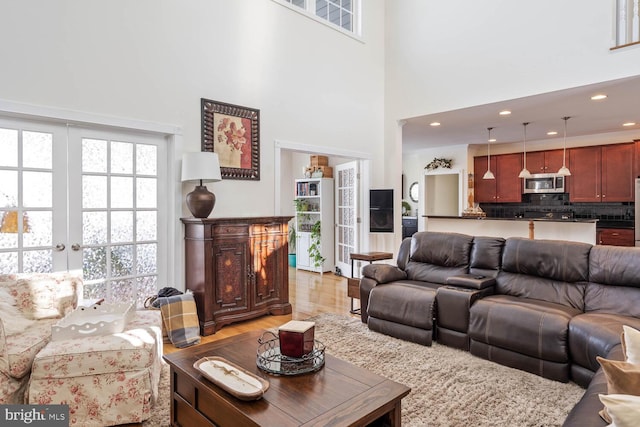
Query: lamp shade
201, 166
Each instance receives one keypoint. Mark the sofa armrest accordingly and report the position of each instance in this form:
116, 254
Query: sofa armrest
471, 281
383, 273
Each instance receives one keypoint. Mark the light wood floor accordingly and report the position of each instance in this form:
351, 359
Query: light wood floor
309, 294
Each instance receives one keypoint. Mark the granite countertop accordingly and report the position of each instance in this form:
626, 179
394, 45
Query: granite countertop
580, 220
607, 223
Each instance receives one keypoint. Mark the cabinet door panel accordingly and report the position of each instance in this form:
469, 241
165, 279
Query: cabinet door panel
536, 162
637, 159
267, 256
617, 173
508, 185
230, 276
484, 189
302, 250
584, 163
553, 160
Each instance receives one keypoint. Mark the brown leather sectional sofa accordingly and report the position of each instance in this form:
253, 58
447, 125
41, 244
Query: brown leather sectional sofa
546, 307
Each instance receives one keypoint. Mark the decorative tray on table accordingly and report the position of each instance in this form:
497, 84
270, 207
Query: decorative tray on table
97, 319
270, 360
232, 378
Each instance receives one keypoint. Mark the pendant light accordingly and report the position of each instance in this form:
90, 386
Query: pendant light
488, 174
564, 170
524, 173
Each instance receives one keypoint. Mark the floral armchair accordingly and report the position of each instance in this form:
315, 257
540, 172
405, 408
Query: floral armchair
29, 305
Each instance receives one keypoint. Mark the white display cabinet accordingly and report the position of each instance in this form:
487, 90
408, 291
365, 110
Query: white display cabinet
314, 206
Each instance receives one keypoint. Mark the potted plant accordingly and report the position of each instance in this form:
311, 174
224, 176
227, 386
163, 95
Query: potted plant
314, 247
292, 243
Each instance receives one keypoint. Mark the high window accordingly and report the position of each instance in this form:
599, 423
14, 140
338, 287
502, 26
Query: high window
627, 23
341, 13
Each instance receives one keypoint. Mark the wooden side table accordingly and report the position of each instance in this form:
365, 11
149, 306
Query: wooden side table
353, 283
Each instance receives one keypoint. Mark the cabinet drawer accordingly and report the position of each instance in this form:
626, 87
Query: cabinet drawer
616, 237
230, 230
266, 228
186, 415
184, 388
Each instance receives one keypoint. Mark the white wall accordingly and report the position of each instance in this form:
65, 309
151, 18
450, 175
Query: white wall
414, 169
154, 60
446, 55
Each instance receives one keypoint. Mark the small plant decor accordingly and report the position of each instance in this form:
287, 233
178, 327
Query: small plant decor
301, 205
406, 208
439, 163
292, 236
314, 247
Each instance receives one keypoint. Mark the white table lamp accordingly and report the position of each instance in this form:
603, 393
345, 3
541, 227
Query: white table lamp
201, 166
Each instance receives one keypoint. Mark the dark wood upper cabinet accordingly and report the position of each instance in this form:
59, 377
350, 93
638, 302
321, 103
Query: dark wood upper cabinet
617, 173
585, 164
637, 159
602, 173
549, 161
484, 189
506, 187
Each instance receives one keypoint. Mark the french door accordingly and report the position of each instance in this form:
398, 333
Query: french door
75, 198
346, 214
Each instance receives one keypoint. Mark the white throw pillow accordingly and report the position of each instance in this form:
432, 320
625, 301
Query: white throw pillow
631, 344
624, 409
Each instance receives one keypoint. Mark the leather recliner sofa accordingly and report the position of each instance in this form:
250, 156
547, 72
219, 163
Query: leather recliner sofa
547, 307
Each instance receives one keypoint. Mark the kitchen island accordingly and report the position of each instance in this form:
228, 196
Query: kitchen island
577, 230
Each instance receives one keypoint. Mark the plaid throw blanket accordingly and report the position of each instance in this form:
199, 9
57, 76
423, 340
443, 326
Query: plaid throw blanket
180, 319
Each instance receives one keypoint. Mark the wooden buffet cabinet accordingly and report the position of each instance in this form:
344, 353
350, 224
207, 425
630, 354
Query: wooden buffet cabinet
237, 268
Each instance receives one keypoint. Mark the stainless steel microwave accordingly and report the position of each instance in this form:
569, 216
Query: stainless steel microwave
544, 183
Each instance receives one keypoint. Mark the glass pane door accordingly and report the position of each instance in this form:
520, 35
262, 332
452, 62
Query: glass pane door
346, 215
115, 187
32, 203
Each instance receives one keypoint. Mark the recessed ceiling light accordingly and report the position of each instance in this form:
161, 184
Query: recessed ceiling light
492, 140
504, 112
552, 132
598, 97
629, 124
434, 124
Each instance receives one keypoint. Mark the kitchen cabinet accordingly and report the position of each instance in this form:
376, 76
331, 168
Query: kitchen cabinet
506, 187
236, 268
549, 161
616, 236
314, 207
409, 226
637, 159
602, 173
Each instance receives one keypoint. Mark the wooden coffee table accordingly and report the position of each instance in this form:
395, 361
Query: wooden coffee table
339, 394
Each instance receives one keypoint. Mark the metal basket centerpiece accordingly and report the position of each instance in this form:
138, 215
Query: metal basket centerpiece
270, 360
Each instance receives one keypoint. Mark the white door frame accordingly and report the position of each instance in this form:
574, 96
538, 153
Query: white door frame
364, 160
173, 136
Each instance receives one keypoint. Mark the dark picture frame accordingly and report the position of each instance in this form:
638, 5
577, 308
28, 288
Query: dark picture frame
232, 132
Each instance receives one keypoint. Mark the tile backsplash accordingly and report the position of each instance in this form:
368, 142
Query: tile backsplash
559, 203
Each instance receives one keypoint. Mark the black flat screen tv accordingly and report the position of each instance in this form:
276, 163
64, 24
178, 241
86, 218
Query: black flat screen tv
381, 211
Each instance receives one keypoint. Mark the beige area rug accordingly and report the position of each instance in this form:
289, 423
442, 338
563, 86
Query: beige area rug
449, 387
162, 410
